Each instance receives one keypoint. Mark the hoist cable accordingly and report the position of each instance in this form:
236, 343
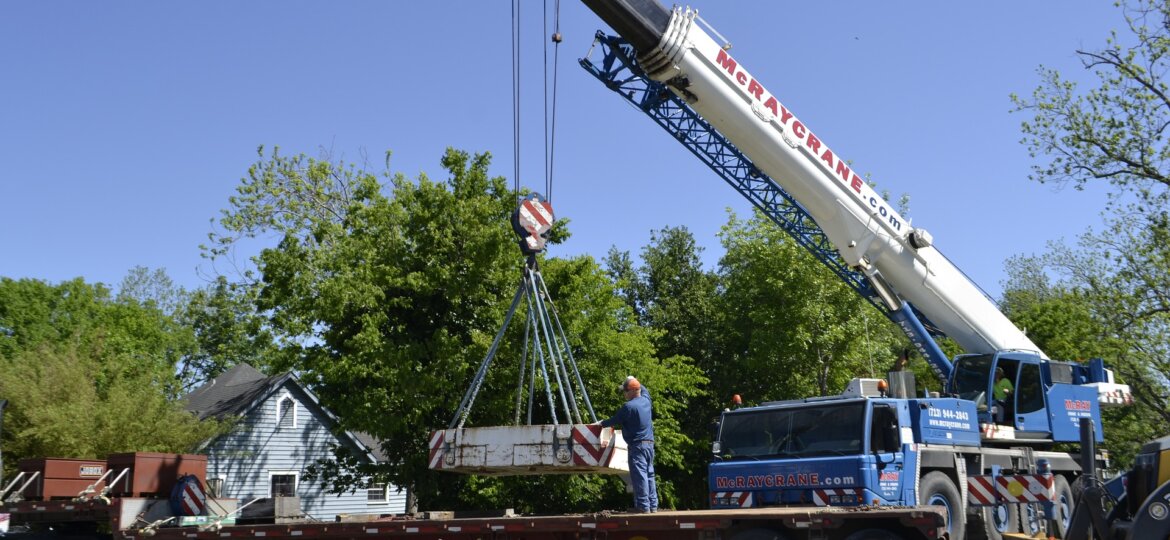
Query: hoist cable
555, 347
523, 370
544, 28
469, 398
550, 343
552, 143
540, 351
569, 351
516, 96
531, 378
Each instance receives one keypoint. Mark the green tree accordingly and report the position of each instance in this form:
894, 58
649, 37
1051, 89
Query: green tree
388, 297
152, 288
1112, 136
228, 330
793, 326
113, 359
672, 294
1070, 322
127, 412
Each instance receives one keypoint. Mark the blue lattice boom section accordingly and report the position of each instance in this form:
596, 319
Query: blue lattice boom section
619, 72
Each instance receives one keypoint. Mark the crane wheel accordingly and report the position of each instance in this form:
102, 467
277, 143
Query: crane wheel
937, 489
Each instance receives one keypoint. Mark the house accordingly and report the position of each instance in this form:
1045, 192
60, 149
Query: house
282, 430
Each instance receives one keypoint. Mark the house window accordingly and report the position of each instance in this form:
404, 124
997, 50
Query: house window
215, 487
282, 484
378, 492
286, 412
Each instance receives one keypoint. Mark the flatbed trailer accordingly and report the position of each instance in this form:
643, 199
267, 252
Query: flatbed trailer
116, 519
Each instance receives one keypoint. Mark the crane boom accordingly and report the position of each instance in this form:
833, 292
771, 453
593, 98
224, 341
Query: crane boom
899, 261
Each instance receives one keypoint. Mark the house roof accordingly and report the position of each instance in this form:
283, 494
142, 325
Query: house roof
241, 388
235, 391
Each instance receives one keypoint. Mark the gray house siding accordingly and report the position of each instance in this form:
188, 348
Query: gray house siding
263, 445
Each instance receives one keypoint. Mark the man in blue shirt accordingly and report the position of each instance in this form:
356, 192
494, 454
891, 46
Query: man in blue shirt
636, 421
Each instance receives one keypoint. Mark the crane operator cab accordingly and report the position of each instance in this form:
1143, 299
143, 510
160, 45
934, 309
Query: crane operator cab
1022, 396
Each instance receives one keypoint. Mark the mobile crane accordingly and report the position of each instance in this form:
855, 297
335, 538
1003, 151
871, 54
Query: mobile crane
880, 466
989, 463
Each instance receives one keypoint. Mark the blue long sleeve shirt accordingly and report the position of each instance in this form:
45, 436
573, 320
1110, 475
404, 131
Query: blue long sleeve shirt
635, 419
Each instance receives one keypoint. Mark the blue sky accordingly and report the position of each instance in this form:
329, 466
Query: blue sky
125, 126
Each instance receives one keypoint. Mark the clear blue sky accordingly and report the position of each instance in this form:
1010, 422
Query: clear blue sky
125, 126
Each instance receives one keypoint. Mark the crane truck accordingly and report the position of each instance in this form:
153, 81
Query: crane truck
989, 463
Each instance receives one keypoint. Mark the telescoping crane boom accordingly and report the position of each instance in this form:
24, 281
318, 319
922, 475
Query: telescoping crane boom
899, 261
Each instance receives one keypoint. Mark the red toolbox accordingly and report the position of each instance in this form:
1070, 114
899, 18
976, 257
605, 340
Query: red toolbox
153, 474
59, 478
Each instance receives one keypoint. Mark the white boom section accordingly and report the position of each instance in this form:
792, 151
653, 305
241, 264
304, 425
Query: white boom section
865, 229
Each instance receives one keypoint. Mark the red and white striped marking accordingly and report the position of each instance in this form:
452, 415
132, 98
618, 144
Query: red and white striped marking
536, 216
742, 499
436, 446
588, 448
1026, 488
981, 491
1013, 488
821, 496
1116, 397
531, 221
996, 431
193, 499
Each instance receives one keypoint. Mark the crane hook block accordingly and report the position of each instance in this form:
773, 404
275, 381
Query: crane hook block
532, 220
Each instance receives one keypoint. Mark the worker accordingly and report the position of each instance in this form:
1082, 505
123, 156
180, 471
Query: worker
1001, 392
637, 425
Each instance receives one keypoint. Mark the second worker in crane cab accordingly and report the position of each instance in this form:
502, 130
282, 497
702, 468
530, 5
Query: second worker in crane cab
637, 423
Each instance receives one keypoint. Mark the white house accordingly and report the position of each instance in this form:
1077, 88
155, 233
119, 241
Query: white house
283, 429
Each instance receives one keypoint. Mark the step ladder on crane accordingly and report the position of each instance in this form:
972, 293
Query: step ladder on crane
571, 444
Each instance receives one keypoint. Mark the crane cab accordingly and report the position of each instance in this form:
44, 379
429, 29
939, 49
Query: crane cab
1043, 402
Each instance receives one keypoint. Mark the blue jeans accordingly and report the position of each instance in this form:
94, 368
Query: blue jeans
642, 475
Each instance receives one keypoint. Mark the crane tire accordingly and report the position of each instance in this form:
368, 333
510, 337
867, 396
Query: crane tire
937, 489
993, 522
1065, 502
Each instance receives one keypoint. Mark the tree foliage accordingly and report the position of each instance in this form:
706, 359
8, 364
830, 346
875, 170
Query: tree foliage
794, 329
228, 331
87, 374
675, 298
1072, 322
1113, 136
1114, 132
388, 297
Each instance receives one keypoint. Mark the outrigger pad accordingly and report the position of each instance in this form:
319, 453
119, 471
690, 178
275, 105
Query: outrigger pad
526, 450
